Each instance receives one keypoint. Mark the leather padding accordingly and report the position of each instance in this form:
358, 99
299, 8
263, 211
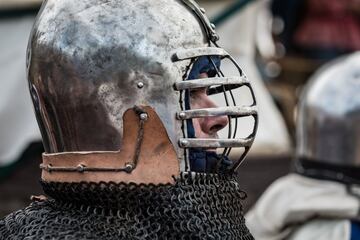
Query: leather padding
157, 163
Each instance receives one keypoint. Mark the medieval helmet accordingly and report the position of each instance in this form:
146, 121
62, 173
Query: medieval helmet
328, 130
110, 84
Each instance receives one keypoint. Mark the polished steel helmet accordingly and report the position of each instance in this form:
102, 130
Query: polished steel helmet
109, 82
328, 127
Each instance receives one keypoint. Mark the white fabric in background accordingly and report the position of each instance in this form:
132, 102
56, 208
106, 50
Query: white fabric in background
299, 208
237, 36
18, 126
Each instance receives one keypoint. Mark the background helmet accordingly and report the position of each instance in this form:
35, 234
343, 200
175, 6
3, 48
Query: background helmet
109, 80
328, 130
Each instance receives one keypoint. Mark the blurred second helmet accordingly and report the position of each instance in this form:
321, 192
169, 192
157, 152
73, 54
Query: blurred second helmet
328, 129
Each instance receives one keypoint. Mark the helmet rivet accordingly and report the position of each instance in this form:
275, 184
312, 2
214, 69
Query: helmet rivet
140, 85
203, 10
182, 115
184, 143
212, 26
80, 168
129, 167
143, 116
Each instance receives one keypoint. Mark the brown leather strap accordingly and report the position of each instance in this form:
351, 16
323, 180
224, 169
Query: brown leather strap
157, 161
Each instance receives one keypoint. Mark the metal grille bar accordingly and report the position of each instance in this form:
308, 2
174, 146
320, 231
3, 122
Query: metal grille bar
198, 52
215, 143
236, 111
207, 82
200, 12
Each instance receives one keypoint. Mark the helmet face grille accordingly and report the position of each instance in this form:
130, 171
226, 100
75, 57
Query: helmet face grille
207, 60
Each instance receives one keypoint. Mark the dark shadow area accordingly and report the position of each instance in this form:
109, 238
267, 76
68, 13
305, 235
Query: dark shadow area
257, 173
21, 181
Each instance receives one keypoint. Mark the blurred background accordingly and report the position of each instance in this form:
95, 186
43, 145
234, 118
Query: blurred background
279, 44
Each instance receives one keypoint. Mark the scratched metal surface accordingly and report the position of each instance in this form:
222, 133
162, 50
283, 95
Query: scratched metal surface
76, 44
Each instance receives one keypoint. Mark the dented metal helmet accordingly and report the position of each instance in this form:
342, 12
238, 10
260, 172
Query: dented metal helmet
328, 130
110, 83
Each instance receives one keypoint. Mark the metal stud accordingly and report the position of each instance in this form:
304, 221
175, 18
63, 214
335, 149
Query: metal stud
184, 143
140, 85
129, 167
80, 168
144, 116
212, 26
203, 10
182, 115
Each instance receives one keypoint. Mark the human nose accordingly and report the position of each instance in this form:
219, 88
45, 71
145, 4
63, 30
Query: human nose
211, 125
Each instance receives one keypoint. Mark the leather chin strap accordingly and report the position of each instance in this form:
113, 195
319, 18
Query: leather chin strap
147, 156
